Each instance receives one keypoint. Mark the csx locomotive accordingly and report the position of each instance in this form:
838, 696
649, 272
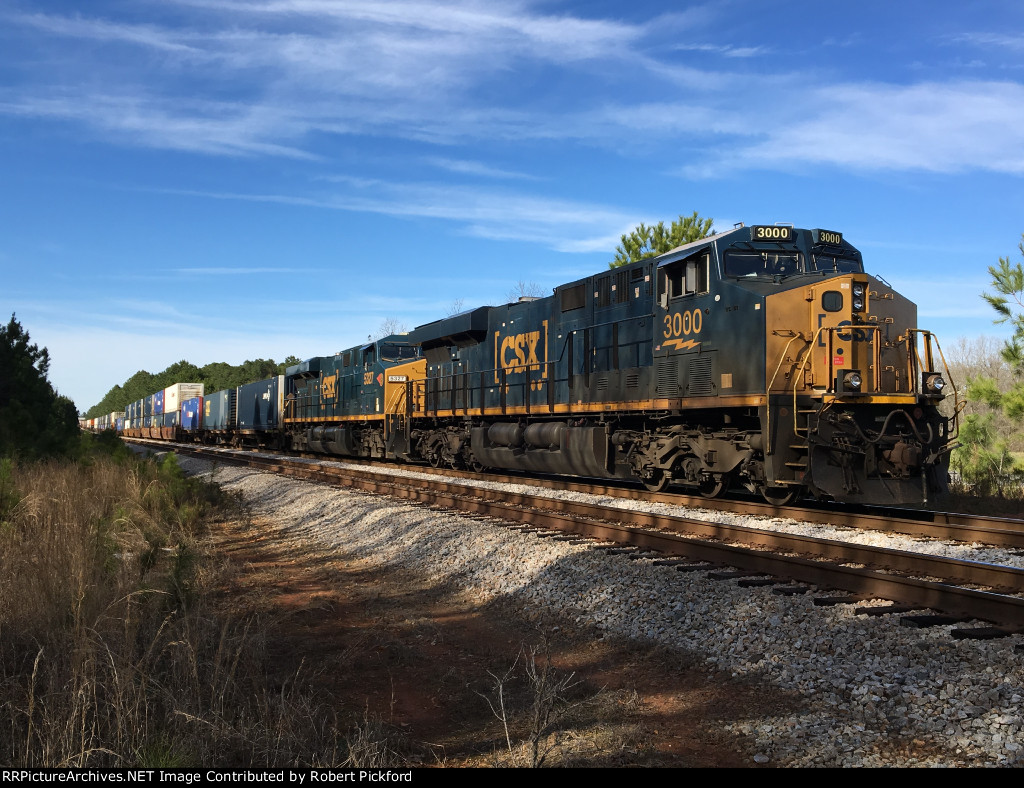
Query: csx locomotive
761, 358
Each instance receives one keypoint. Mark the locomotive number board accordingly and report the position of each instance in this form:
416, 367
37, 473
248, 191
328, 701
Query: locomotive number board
826, 237
763, 232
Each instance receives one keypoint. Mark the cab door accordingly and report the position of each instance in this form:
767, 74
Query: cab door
684, 349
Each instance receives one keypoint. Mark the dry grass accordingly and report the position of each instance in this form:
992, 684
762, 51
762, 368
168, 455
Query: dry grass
109, 655
124, 643
962, 499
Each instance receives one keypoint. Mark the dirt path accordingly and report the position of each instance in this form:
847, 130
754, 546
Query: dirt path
414, 665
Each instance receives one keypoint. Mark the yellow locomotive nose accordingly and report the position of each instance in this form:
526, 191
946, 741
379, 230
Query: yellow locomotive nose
853, 392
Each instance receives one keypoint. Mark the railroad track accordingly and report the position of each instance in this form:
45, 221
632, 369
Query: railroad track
959, 527
954, 590
953, 526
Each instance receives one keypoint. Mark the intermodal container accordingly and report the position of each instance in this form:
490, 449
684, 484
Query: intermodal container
219, 410
192, 414
178, 393
260, 404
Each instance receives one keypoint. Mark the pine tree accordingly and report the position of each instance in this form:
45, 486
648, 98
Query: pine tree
644, 241
35, 421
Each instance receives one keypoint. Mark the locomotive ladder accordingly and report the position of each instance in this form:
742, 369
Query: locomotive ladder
800, 465
799, 451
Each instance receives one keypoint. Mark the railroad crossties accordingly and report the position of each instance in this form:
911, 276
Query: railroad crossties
868, 681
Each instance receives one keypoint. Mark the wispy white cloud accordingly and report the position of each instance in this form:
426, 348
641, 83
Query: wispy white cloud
271, 74
173, 124
1011, 41
294, 78
505, 28
933, 127
149, 36
477, 168
563, 225
724, 50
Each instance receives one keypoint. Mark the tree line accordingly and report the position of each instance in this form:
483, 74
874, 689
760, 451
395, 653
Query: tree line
216, 376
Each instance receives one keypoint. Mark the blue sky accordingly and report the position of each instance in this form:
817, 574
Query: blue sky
216, 180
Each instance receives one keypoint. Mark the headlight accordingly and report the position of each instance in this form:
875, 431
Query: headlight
852, 381
934, 384
858, 303
858, 289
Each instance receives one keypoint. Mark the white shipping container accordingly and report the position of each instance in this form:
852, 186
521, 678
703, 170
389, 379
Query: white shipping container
178, 393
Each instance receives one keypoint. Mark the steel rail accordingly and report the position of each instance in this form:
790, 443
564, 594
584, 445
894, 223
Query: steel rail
995, 531
947, 569
709, 542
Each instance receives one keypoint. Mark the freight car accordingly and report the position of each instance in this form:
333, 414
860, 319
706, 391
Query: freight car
762, 357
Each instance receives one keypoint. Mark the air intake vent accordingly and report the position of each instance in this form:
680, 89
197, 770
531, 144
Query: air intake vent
699, 377
667, 371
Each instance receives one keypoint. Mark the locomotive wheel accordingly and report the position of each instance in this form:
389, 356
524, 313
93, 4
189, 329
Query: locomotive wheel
657, 482
779, 496
434, 458
713, 487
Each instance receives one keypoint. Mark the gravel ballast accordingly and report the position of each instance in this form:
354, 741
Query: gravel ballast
869, 682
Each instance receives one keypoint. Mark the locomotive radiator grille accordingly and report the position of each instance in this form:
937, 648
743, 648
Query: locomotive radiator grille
699, 380
667, 373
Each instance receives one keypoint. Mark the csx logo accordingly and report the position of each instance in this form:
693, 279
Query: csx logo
521, 352
329, 387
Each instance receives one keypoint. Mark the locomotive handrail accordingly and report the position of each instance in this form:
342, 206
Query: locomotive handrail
958, 405
914, 367
447, 383
768, 391
831, 330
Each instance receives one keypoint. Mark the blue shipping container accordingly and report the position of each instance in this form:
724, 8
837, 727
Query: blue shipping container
219, 410
192, 414
260, 404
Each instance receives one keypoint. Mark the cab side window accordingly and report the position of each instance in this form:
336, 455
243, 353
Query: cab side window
685, 277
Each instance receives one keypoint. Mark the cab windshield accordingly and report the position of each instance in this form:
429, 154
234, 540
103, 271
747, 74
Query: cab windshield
837, 264
754, 263
393, 352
